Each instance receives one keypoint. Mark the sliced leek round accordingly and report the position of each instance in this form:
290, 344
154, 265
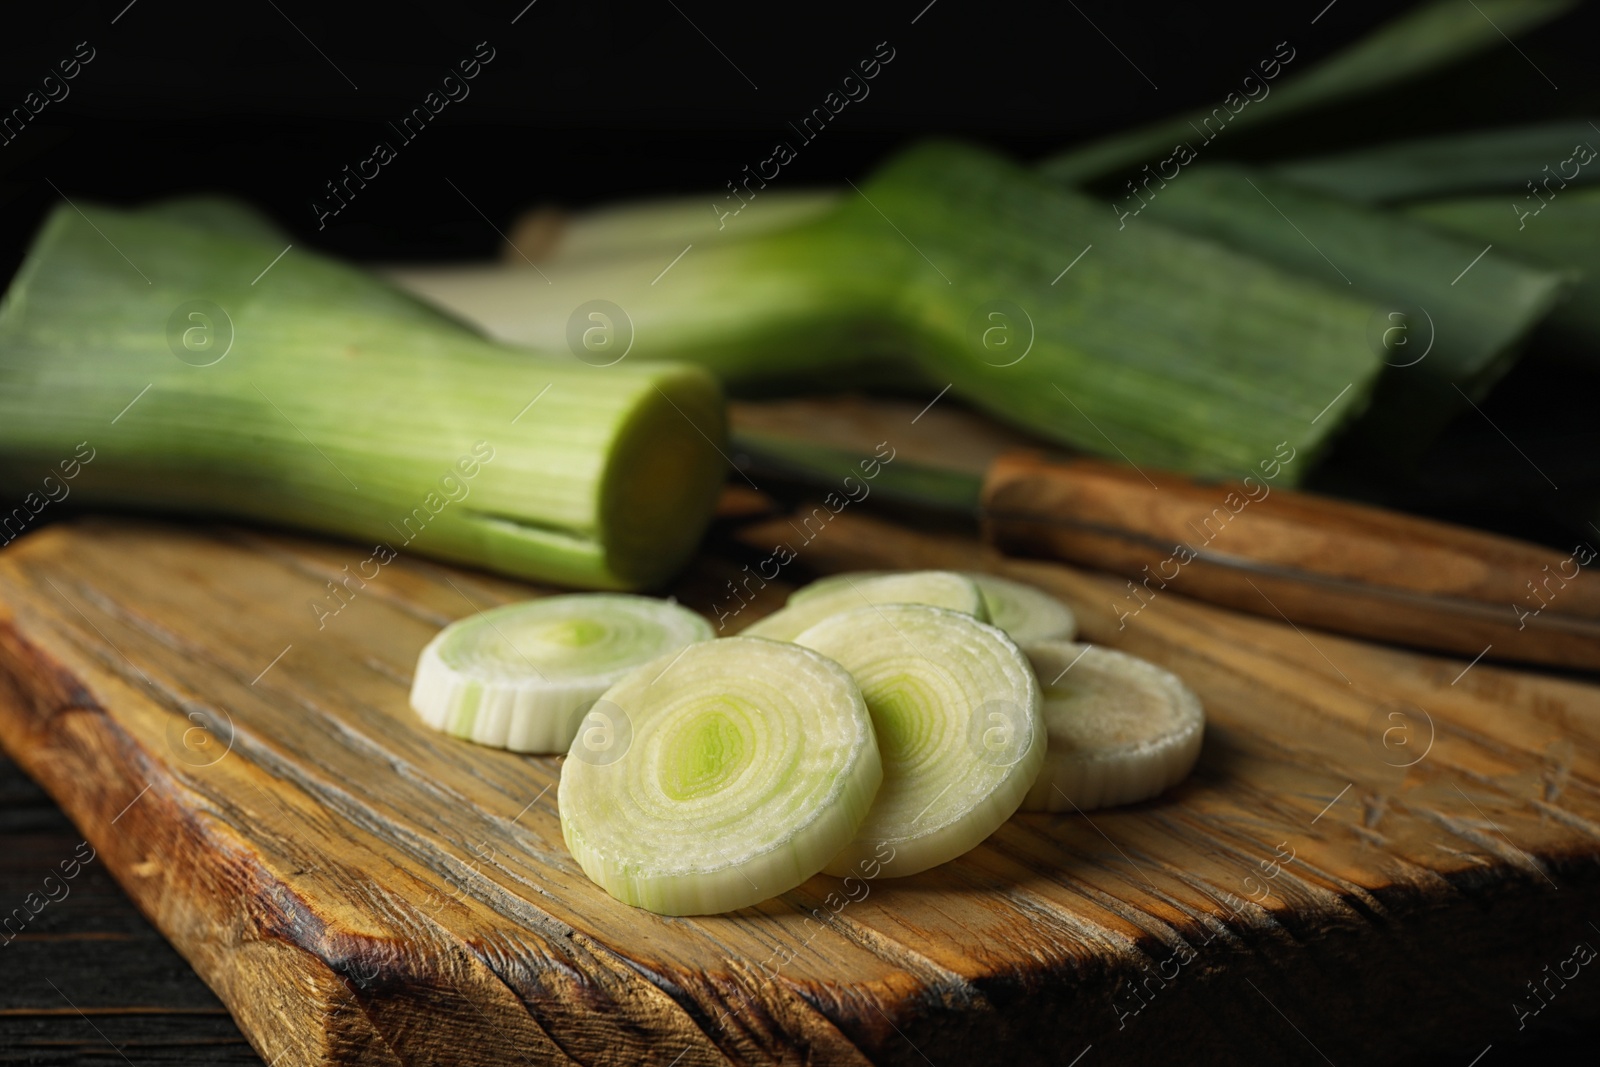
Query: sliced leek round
956, 710
945, 589
518, 676
720, 778
1025, 612
832, 584
1120, 728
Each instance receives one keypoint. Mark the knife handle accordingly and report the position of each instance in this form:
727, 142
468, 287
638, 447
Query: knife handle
1262, 548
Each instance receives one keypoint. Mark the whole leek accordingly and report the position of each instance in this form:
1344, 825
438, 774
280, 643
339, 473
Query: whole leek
952, 266
209, 376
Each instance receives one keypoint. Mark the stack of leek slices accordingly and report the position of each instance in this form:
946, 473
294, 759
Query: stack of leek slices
880, 723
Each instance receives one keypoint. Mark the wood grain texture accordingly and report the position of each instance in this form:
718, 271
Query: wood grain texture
358, 890
1329, 563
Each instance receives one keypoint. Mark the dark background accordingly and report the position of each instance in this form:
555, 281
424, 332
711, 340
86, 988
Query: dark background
590, 101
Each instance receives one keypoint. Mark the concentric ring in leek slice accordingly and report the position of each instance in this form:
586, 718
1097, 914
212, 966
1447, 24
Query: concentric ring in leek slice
717, 778
517, 676
956, 710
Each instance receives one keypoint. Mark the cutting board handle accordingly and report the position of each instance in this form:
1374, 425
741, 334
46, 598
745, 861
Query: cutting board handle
1275, 551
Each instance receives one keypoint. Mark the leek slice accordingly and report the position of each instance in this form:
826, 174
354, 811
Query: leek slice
1025, 612
720, 778
1120, 728
945, 589
517, 676
956, 710
832, 584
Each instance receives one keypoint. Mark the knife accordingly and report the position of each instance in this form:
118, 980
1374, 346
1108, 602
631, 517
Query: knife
1254, 545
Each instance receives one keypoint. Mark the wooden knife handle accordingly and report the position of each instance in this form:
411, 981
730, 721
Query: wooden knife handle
1255, 546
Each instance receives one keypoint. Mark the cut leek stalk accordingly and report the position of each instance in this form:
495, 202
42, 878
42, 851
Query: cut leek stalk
945, 589
519, 676
956, 709
1120, 728
313, 395
1026, 613
720, 778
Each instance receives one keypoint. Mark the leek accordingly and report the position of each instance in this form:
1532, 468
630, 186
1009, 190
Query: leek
522, 676
1518, 159
1025, 612
1156, 346
1544, 212
1565, 235
720, 777
956, 711
1120, 728
211, 377
1427, 38
660, 227
1446, 333
822, 600
784, 307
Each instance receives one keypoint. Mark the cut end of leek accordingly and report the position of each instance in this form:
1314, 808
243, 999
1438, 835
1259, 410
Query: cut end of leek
714, 780
357, 410
662, 477
956, 710
846, 592
518, 676
1121, 729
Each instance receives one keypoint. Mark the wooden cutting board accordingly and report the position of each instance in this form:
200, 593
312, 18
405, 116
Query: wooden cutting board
1376, 853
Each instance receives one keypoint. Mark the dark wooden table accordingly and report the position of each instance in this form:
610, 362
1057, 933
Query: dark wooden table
90, 981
